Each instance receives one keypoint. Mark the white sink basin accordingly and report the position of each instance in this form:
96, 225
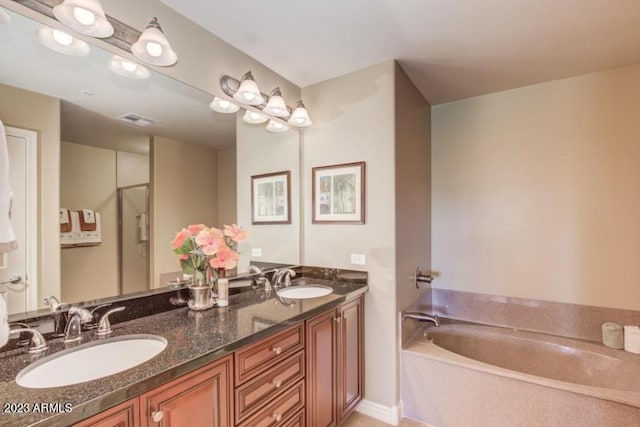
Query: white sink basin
91, 361
305, 291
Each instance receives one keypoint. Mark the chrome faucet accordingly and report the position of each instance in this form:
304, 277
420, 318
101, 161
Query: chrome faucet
59, 316
283, 273
37, 344
73, 331
104, 325
421, 316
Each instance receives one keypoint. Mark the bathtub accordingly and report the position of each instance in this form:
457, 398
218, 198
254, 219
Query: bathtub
460, 375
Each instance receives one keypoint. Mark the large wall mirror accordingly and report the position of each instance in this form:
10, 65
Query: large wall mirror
97, 150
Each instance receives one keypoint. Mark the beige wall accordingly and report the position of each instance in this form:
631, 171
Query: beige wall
88, 181
132, 168
354, 121
413, 188
260, 152
536, 191
184, 191
227, 200
29, 110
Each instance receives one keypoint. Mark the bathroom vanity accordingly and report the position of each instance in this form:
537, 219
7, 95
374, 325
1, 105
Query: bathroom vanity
257, 362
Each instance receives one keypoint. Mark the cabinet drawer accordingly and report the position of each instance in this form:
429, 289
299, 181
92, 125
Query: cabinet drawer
296, 421
278, 412
124, 415
257, 358
256, 392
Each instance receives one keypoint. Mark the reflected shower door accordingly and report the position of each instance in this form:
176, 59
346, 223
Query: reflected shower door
133, 238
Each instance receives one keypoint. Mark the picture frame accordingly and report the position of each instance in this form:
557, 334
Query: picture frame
271, 198
338, 194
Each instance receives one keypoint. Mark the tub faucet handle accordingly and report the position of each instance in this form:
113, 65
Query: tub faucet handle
421, 316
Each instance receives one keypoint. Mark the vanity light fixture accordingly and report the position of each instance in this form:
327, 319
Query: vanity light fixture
254, 118
125, 68
300, 116
153, 47
276, 105
248, 92
220, 105
84, 16
277, 127
4, 17
62, 42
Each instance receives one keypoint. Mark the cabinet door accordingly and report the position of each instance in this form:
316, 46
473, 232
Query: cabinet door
201, 398
350, 357
321, 370
124, 415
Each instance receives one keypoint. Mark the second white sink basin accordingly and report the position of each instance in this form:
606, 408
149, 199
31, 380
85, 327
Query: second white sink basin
305, 291
91, 361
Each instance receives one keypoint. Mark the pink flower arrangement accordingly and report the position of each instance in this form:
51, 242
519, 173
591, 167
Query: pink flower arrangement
200, 248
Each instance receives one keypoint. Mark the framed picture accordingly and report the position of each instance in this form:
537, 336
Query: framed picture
338, 194
271, 198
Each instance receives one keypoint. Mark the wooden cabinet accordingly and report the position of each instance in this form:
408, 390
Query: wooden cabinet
310, 374
125, 414
335, 364
200, 398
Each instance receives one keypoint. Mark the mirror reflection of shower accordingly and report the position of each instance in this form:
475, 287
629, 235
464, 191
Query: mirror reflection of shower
133, 238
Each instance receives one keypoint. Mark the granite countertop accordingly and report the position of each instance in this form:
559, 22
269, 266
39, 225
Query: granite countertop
194, 340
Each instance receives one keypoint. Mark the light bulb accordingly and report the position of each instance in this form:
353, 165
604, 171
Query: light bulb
249, 96
224, 103
154, 49
254, 116
129, 66
84, 16
62, 38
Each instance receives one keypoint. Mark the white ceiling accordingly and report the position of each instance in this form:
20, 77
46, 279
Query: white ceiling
451, 49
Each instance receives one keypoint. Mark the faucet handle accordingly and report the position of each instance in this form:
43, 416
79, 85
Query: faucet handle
104, 325
38, 344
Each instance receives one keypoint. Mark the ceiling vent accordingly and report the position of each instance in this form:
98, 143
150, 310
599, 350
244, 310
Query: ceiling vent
137, 120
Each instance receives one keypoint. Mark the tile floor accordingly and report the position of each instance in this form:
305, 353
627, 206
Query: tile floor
359, 420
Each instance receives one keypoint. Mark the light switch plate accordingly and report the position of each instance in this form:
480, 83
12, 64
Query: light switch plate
256, 252
358, 259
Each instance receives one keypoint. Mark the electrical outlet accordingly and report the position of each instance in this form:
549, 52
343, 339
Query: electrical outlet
358, 259
256, 252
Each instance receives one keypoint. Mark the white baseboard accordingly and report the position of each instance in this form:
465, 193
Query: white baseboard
387, 414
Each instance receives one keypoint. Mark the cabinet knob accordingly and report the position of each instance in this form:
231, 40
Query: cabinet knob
277, 383
338, 319
157, 416
277, 417
277, 350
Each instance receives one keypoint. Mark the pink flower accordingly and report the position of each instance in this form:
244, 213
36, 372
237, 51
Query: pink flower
183, 257
196, 228
210, 240
226, 258
181, 236
237, 234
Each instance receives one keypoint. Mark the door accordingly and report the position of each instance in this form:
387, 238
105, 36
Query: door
351, 357
322, 370
133, 238
22, 262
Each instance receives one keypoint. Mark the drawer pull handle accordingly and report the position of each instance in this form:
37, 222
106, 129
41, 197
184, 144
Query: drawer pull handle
157, 416
277, 350
277, 417
277, 383
337, 319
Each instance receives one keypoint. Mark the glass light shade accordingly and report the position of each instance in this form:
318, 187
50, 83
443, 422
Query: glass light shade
153, 48
276, 105
4, 17
62, 42
248, 92
220, 105
125, 68
254, 118
84, 16
300, 116
277, 127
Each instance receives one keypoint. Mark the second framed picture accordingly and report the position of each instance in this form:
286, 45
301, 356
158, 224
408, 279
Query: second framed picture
338, 194
271, 198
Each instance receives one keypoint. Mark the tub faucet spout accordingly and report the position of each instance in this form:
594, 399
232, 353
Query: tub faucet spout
421, 316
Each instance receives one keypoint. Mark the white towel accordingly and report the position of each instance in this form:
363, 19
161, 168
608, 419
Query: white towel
7, 237
4, 322
88, 216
